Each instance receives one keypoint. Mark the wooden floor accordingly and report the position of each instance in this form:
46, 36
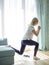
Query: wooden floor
21, 60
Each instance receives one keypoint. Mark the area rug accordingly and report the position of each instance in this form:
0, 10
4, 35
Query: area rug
21, 60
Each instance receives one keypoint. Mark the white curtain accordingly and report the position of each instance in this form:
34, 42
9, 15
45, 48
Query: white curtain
0, 25
17, 16
1, 19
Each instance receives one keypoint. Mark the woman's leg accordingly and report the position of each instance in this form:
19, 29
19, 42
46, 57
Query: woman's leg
31, 42
36, 49
21, 50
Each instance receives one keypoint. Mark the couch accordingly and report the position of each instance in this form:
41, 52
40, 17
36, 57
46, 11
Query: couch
6, 53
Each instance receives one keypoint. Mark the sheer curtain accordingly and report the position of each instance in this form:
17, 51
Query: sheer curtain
41, 6
0, 25
1, 19
17, 16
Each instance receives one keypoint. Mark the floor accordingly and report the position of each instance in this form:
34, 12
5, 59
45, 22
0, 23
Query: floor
21, 60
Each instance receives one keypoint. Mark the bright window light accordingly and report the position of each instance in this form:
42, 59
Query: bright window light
0, 24
16, 19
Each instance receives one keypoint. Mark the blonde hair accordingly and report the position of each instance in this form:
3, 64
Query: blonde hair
34, 20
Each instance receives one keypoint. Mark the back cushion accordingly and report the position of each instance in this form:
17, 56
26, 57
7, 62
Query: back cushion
3, 42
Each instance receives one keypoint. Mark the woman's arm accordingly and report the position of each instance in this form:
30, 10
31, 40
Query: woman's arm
37, 32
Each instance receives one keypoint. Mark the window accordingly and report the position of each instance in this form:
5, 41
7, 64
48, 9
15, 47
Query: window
17, 16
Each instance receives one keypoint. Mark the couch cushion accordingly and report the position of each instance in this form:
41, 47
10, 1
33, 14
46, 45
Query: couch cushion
3, 41
6, 51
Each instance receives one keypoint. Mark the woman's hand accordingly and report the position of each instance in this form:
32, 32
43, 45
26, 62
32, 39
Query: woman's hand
37, 32
39, 27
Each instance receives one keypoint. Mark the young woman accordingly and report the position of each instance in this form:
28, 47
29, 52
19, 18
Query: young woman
27, 39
